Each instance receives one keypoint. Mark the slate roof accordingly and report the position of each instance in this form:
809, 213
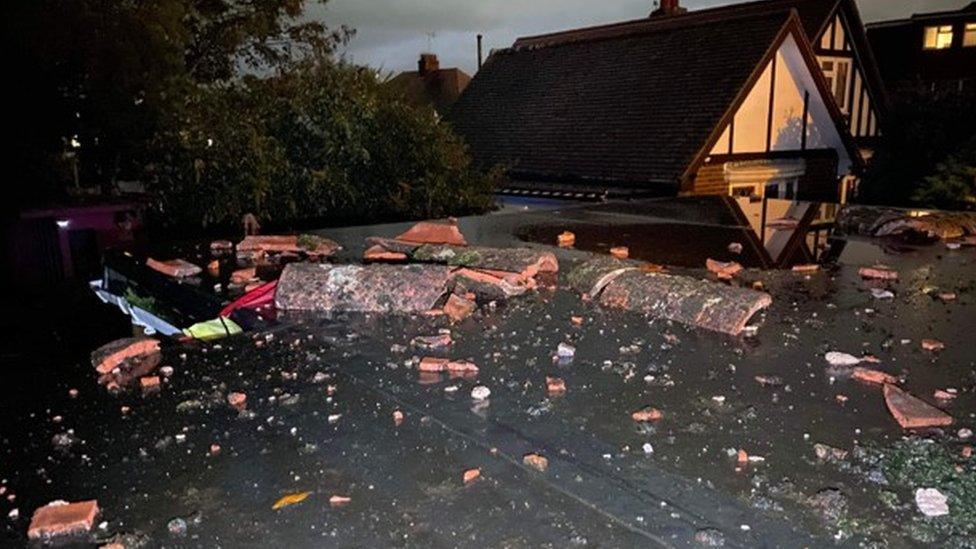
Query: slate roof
632, 106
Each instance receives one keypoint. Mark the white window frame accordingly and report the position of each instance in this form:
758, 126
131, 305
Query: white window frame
839, 88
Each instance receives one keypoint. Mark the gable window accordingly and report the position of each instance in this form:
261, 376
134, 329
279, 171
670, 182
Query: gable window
938, 38
969, 37
837, 71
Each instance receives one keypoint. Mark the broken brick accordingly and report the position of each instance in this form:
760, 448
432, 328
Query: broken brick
535, 461
647, 414
742, 457
237, 400
430, 232
109, 356
471, 475
432, 364
932, 345
458, 308
380, 254
555, 385
566, 239
176, 268
911, 412
873, 376
806, 268
620, 252
877, 273
723, 270
149, 383
244, 276
60, 518
397, 417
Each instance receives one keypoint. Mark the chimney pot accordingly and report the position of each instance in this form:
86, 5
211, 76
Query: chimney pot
428, 63
668, 7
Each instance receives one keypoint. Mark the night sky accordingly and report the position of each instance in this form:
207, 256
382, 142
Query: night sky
390, 33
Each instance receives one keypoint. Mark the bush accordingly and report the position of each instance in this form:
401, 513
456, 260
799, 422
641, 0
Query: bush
953, 185
321, 143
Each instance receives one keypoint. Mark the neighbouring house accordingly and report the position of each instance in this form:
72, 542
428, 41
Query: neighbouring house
777, 98
48, 244
430, 85
932, 51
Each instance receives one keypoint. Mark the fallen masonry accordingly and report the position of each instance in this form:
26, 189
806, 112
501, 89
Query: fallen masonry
60, 518
912, 412
619, 284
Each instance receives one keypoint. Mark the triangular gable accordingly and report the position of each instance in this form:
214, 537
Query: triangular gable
800, 116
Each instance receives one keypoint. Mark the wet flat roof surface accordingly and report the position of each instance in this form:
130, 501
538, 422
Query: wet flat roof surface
321, 394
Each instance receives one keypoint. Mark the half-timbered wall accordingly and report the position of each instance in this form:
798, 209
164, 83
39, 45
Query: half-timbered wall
784, 111
845, 76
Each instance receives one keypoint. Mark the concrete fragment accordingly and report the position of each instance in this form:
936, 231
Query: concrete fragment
176, 268
373, 288
339, 501
480, 393
911, 412
109, 356
431, 232
60, 518
717, 307
931, 502
836, 358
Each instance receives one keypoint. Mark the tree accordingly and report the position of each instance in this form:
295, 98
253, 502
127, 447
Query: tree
922, 130
953, 185
321, 142
93, 77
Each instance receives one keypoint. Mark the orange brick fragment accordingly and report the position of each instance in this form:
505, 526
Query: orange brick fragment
458, 308
566, 239
430, 232
471, 475
911, 412
877, 273
379, 253
647, 414
149, 382
535, 461
237, 400
873, 376
60, 518
555, 385
742, 457
932, 345
620, 252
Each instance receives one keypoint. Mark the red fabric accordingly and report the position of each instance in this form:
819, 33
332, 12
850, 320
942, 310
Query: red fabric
262, 295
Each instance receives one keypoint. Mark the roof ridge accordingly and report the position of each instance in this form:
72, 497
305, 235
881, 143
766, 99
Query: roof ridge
690, 17
641, 26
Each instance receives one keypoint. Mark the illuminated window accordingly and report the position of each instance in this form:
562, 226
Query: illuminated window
969, 37
938, 38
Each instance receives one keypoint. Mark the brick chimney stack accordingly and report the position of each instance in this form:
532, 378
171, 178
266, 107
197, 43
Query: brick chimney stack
428, 63
668, 7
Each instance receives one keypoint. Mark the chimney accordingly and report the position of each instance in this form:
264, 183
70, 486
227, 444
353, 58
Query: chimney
668, 7
479, 52
428, 63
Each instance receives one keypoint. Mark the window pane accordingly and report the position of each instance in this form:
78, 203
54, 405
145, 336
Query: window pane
969, 38
840, 92
938, 38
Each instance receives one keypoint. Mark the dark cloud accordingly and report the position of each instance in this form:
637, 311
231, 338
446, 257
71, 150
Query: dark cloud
390, 33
